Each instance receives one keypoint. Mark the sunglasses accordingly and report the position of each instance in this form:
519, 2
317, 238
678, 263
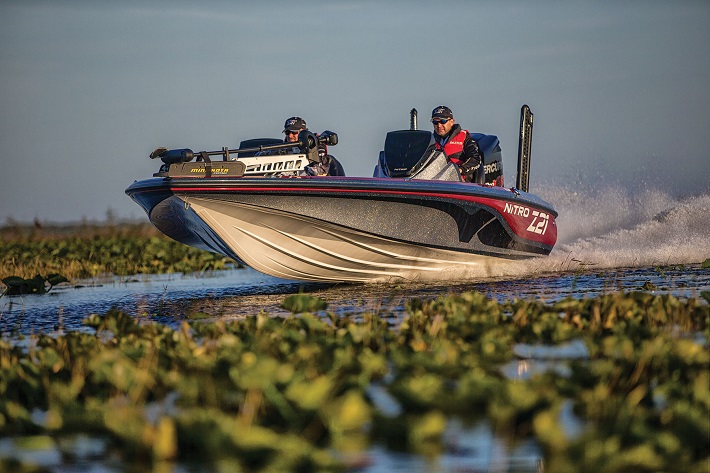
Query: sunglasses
442, 121
291, 132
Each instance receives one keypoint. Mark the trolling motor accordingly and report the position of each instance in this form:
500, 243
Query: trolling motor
176, 161
173, 156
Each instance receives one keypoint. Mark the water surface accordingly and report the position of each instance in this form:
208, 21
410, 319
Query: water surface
609, 239
612, 242
169, 299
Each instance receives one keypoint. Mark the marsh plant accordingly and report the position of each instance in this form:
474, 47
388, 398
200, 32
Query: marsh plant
91, 251
297, 393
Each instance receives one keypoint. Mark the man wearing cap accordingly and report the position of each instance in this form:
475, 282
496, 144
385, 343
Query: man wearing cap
457, 144
292, 128
328, 165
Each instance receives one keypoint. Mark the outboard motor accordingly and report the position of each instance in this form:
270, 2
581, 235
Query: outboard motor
491, 172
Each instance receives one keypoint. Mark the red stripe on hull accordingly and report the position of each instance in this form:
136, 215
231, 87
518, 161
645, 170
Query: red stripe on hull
526, 221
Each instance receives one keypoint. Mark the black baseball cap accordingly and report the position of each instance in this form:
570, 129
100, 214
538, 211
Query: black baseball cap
295, 124
442, 111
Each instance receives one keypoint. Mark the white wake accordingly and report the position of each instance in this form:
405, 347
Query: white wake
611, 227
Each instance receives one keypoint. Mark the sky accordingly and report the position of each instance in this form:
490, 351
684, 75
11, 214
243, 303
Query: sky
620, 91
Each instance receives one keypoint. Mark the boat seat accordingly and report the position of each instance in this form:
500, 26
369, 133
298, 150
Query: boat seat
256, 142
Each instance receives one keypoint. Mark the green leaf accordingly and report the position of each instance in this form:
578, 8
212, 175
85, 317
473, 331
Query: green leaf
17, 286
649, 286
12, 281
54, 279
298, 303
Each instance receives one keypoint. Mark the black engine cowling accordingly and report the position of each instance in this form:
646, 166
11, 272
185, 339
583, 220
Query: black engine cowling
492, 170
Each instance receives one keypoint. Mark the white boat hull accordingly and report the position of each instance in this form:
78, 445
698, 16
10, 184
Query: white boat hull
291, 246
351, 229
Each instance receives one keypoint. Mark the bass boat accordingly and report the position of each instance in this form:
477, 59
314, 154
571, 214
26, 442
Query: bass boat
414, 219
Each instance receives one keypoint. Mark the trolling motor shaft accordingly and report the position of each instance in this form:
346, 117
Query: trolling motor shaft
307, 142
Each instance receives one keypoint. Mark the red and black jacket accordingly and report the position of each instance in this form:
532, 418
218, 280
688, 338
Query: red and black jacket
461, 149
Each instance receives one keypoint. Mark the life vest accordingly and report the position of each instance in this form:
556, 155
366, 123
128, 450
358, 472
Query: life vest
454, 146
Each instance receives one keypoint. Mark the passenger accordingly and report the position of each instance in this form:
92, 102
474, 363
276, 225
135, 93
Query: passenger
292, 128
328, 165
458, 145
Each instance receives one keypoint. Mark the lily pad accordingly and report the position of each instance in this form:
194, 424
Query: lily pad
299, 303
17, 286
54, 279
649, 286
36, 285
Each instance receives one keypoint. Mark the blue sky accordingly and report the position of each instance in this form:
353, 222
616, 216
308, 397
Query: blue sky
620, 90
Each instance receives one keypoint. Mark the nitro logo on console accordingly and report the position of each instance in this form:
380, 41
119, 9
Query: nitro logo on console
539, 219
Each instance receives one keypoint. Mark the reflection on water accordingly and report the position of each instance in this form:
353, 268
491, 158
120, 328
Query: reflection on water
467, 449
169, 299
162, 298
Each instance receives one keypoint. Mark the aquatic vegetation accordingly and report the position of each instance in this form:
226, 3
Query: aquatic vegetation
648, 286
36, 285
298, 303
95, 251
306, 392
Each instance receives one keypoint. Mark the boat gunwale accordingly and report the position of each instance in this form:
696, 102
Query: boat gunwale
316, 185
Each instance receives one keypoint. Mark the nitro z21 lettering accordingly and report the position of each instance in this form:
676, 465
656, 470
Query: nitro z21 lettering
539, 222
519, 210
539, 219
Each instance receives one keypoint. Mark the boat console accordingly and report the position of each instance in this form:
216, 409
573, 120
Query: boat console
412, 154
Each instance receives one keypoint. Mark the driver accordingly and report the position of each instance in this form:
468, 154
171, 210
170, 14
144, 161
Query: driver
458, 145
